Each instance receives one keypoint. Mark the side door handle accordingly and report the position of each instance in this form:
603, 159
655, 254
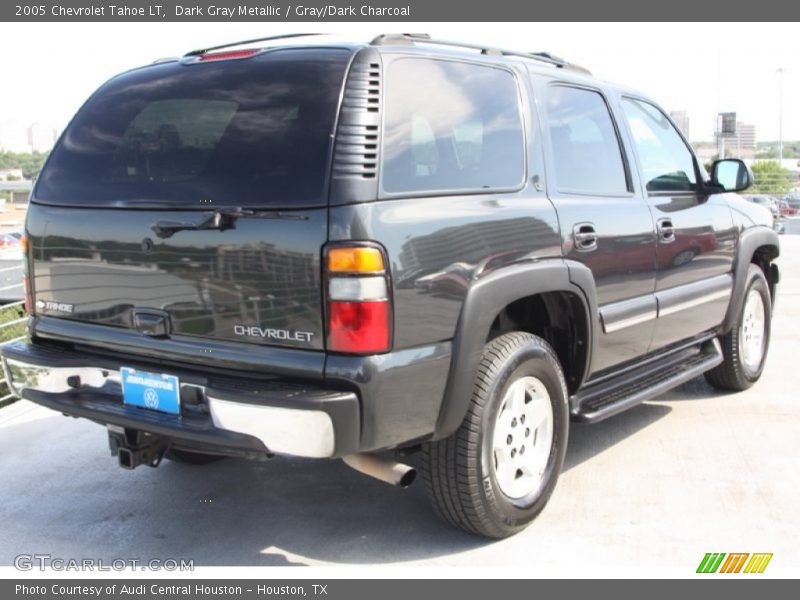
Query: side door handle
666, 231
585, 237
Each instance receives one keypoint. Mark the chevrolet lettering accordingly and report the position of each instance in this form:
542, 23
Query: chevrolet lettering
275, 334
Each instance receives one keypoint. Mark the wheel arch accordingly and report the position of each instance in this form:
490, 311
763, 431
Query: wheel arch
554, 285
760, 246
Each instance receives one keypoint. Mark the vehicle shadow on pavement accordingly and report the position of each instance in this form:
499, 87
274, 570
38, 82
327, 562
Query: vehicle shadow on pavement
77, 503
587, 441
695, 389
64, 495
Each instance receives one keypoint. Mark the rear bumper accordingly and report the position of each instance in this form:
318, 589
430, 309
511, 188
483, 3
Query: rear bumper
220, 414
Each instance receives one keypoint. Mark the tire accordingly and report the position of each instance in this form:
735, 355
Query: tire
468, 476
740, 369
684, 257
185, 457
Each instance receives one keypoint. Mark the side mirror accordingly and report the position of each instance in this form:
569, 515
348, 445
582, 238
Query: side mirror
731, 174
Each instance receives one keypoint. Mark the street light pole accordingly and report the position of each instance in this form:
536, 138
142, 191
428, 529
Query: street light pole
780, 115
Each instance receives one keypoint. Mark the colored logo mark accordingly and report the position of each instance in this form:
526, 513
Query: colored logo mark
736, 562
151, 398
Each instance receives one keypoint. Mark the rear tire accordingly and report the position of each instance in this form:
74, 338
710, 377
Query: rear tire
745, 346
480, 479
186, 457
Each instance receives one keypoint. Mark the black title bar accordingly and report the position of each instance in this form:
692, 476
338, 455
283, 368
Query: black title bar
404, 10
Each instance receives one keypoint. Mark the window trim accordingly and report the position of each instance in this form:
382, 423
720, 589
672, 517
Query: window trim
383, 194
626, 166
699, 179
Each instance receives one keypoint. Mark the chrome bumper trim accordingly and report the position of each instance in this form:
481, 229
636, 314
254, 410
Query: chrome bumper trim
290, 431
54, 380
296, 432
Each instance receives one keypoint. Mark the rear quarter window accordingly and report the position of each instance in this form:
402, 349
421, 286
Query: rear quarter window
451, 126
249, 132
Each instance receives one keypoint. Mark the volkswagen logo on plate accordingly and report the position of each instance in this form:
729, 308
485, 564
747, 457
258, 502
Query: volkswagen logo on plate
151, 398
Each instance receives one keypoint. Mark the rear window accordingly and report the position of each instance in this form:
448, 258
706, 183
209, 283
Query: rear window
250, 132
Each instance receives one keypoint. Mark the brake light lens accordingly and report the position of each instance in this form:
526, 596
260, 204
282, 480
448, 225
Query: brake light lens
359, 327
228, 55
359, 306
26, 285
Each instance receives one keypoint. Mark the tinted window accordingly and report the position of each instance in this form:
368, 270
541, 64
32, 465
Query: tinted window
451, 126
666, 162
247, 132
586, 151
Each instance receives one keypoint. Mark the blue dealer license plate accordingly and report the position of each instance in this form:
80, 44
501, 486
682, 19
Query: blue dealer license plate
155, 391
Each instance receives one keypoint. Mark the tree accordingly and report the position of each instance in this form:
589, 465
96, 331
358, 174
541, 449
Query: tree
771, 178
30, 162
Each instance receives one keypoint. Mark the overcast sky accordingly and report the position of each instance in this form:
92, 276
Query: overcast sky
49, 69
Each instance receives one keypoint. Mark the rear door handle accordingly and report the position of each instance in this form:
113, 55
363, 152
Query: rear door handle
666, 231
585, 237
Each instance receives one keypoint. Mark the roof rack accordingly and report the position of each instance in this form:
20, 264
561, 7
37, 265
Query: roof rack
410, 39
285, 36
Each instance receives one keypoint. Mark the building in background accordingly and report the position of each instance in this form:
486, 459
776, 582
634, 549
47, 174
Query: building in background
743, 143
681, 119
41, 137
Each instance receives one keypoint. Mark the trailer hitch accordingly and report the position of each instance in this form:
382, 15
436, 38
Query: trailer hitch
135, 448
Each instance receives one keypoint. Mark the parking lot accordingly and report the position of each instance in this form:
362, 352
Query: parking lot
657, 487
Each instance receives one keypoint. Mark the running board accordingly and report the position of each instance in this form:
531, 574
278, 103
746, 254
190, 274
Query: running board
601, 401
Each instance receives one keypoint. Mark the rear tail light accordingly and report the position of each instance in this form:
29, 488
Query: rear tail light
27, 289
359, 305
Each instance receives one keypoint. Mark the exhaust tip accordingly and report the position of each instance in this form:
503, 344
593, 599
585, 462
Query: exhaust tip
390, 471
408, 478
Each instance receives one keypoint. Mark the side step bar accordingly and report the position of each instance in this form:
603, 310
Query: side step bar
606, 399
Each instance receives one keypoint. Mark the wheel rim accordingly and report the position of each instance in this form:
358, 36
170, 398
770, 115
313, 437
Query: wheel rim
523, 437
682, 258
752, 338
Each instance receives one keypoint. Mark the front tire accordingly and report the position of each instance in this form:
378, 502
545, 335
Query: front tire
745, 346
495, 474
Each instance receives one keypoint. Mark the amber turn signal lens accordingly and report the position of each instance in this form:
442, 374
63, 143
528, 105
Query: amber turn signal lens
355, 260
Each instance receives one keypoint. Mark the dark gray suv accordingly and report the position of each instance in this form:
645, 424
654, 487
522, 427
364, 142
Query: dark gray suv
361, 251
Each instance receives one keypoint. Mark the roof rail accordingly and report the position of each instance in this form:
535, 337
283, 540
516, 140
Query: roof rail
284, 36
409, 39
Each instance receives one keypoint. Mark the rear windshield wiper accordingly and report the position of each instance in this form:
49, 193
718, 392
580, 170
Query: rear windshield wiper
220, 219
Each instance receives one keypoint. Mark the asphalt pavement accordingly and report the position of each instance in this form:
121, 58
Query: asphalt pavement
695, 471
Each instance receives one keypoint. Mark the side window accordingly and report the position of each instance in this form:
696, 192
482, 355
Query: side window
451, 126
586, 152
667, 164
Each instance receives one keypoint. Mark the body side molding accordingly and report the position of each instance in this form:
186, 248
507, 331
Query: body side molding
690, 295
619, 315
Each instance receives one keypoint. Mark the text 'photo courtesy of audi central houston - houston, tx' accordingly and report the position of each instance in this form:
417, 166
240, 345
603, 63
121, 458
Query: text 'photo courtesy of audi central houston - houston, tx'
362, 251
